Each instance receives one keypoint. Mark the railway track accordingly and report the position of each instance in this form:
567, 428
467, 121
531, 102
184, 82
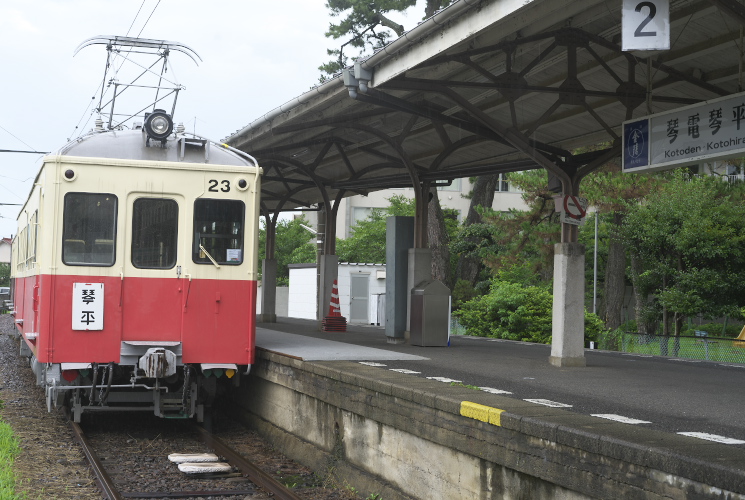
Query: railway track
245, 468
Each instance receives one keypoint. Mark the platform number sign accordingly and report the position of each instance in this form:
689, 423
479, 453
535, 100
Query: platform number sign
645, 25
87, 306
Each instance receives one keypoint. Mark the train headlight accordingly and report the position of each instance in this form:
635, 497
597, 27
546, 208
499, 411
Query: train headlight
158, 125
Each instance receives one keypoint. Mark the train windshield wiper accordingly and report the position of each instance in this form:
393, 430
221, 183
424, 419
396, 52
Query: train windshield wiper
209, 256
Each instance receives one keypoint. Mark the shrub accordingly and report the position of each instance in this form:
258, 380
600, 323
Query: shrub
509, 311
516, 312
611, 340
463, 291
594, 327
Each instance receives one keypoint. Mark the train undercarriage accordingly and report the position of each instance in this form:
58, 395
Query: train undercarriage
149, 378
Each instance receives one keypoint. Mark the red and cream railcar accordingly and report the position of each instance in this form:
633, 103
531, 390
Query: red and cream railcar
134, 270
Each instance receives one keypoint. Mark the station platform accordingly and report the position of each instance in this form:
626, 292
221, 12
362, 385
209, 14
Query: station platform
663, 414
671, 394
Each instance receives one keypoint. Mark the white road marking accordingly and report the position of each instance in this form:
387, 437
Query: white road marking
370, 363
404, 370
640, 355
712, 437
619, 418
494, 391
546, 402
445, 379
685, 360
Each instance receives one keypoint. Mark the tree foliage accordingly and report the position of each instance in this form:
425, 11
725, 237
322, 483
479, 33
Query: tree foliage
503, 240
528, 236
690, 238
365, 24
609, 191
293, 244
367, 243
470, 265
4, 274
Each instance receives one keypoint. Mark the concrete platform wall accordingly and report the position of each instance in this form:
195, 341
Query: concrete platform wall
404, 437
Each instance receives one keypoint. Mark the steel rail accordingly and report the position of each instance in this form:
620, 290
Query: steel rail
251, 471
189, 494
102, 477
248, 469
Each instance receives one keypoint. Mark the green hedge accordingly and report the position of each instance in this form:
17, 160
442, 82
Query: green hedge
516, 312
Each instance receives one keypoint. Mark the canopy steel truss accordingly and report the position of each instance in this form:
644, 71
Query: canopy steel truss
511, 97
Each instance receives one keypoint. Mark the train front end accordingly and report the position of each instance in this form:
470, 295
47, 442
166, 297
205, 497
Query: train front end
135, 274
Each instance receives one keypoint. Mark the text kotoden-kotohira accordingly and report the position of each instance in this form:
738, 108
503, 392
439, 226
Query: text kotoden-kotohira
710, 146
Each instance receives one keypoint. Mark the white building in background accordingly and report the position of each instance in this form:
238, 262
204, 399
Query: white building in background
355, 208
5, 246
359, 287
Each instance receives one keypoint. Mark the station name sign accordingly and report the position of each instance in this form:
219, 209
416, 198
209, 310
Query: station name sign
707, 131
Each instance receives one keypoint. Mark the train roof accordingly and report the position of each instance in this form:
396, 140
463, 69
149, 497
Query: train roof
134, 145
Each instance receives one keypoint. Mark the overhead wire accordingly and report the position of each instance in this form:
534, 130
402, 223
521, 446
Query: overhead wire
148, 19
77, 126
136, 16
17, 138
11, 192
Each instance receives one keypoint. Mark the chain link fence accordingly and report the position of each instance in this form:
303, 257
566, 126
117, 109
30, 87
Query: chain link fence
699, 346
456, 328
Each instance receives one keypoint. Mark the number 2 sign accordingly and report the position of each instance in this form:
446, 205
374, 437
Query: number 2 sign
646, 25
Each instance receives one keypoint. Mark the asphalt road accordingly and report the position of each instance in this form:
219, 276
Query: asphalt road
667, 394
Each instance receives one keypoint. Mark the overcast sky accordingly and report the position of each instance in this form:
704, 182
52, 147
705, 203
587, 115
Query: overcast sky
257, 55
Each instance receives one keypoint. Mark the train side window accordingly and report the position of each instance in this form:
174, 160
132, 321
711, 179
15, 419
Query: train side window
218, 231
89, 229
154, 233
33, 231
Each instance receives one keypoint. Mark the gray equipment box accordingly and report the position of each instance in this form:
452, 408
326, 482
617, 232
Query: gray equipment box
430, 314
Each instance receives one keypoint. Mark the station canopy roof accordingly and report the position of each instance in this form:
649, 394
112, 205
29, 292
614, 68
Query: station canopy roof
490, 86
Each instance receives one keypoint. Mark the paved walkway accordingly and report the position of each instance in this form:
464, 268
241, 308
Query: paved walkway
698, 398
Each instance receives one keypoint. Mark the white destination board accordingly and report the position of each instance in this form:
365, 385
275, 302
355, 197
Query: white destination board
645, 25
87, 306
686, 136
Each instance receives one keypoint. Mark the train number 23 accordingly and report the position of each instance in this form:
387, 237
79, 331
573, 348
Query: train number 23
216, 185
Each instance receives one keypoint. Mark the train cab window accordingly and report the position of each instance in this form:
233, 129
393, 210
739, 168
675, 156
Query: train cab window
218, 231
154, 233
89, 229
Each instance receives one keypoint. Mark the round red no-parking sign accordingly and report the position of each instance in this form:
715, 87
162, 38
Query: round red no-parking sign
574, 210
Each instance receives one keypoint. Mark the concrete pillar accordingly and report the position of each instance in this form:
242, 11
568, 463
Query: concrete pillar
399, 238
568, 328
329, 272
420, 269
268, 291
